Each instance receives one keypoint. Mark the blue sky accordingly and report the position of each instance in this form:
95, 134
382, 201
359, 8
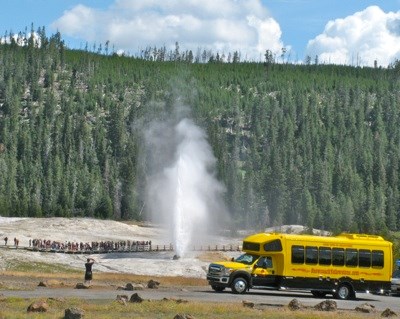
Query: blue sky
337, 31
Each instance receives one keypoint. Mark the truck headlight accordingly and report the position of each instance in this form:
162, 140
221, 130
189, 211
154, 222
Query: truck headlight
227, 271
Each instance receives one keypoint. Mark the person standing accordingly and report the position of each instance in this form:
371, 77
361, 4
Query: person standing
88, 272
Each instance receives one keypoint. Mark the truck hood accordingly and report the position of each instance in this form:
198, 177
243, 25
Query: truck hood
233, 265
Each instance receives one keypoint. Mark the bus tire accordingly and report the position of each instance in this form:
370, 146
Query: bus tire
318, 293
239, 285
218, 288
344, 292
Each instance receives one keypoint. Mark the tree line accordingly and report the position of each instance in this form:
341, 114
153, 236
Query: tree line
308, 144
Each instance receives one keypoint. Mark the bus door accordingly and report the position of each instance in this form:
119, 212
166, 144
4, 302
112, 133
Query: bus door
264, 272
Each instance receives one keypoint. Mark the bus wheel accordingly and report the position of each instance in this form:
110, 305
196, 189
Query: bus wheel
239, 285
344, 292
218, 288
318, 293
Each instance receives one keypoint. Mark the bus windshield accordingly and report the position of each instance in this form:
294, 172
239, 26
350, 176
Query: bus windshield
246, 259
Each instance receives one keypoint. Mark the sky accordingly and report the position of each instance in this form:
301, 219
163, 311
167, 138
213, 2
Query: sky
355, 32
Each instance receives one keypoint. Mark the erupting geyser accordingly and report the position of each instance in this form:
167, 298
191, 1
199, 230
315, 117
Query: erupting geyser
184, 192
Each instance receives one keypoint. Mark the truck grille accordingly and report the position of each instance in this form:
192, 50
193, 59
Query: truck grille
214, 269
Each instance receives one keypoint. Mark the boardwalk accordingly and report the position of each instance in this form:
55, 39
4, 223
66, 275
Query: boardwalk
132, 249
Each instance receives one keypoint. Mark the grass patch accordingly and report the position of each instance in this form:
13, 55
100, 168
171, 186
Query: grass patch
39, 267
16, 308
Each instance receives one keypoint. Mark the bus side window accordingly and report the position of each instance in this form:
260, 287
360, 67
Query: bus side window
297, 254
338, 256
377, 259
311, 255
268, 262
351, 257
325, 256
364, 258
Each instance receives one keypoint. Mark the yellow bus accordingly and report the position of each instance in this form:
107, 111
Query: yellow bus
341, 265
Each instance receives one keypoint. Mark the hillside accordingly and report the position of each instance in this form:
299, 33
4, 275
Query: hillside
316, 145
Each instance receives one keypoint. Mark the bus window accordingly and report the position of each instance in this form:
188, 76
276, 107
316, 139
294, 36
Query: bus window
338, 256
311, 255
351, 257
297, 254
364, 258
274, 245
251, 246
264, 262
325, 256
377, 259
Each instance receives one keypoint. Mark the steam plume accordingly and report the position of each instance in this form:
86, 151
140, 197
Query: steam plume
183, 192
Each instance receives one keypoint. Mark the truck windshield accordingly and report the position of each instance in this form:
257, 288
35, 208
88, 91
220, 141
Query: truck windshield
246, 259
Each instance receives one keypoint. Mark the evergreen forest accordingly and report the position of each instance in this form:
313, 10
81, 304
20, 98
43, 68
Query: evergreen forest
310, 144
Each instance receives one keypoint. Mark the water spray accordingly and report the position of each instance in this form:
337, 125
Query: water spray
185, 191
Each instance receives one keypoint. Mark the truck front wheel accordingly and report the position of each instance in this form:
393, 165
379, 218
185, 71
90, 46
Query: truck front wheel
239, 285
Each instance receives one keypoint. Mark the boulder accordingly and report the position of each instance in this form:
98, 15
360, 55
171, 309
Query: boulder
80, 285
50, 283
388, 313
74, 313
183, 316
326, 305
122, 299
152, 284
295, 305
248, 304
38, 306
366, 308
131, 287
136, 298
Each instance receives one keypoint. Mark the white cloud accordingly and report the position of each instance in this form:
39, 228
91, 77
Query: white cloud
223, 25
367, 36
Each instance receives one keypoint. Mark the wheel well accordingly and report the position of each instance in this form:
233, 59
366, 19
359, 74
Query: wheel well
348, 284
242, 274
346, 281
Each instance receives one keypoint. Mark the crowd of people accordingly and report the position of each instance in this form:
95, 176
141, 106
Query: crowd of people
102, 246
94, 246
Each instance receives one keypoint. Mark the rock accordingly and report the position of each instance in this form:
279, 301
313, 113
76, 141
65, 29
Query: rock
365, 308
129, 287
295, 305
152, 284
388, 313
122, 297
175, 300
326, 305
80, 285
248, 304
50, 283
135, 298
38, 306
183, 316
74, 313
